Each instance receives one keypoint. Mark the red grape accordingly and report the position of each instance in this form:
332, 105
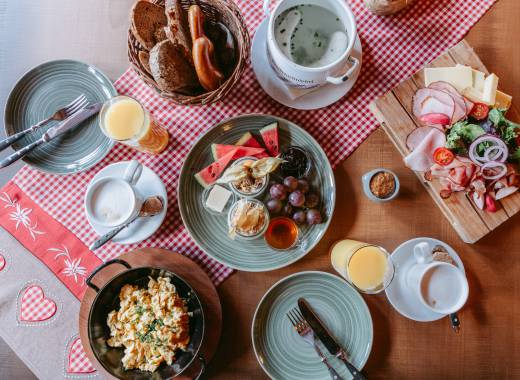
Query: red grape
277, 191
303, 185
313, 217
291, 183
274, 205
296, 198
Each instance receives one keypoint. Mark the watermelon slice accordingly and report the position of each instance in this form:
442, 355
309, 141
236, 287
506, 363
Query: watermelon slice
269, 134
220, 150
207, 176
248, 140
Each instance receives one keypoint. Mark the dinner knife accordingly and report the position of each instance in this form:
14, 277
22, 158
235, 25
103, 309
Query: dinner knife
64, 126
326, 338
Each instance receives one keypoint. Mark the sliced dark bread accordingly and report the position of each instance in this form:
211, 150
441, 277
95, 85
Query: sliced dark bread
171, 71
147, 22
178, 29
144, 58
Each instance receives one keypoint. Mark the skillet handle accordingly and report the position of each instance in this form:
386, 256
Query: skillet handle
88, 281
202, 368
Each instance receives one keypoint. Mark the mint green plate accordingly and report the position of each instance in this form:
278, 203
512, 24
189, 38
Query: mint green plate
210, 231
283, 354
42, 91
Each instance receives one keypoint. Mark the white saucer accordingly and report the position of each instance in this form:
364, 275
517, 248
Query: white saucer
273, 86
149, 184
399, 294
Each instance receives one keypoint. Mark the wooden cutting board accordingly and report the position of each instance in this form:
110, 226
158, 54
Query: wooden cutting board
394, 111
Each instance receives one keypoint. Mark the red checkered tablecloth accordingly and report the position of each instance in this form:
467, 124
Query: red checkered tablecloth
393, 48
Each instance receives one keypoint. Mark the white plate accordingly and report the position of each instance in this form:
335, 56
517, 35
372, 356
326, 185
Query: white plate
274, 87
399, 294
149, 184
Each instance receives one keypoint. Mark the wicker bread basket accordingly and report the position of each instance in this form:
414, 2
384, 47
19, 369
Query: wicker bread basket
225, 11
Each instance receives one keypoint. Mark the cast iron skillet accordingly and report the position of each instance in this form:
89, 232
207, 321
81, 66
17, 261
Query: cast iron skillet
107, 299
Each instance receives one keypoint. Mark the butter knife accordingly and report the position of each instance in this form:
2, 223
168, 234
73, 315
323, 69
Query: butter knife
326, 338
67, 124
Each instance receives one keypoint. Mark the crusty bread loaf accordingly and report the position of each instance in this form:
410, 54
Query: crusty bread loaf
171, 71
147, 23
178, 30
144, 58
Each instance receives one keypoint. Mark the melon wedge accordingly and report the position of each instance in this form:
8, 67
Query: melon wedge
248, 140
220, 150
269, 134
207, 176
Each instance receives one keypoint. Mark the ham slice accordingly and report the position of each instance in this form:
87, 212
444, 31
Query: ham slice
455, 176
427, 100
421, 158
416, 137
459, 111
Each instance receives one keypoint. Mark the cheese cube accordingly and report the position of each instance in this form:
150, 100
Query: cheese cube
502, 100
218, 198
490, 89
459, 77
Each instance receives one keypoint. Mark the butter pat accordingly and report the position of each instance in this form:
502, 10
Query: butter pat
460, 77
218, 198
502, 100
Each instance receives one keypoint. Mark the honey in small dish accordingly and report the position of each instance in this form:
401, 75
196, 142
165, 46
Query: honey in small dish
282, 233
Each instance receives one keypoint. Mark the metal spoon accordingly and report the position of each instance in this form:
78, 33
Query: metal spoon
151, 207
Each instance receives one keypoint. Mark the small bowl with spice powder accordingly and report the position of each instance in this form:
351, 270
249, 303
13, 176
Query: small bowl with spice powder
249, 187
380, 185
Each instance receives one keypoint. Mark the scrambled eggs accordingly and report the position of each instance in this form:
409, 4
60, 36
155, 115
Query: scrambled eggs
151, 324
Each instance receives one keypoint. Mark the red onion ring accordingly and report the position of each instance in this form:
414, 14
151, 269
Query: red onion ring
495, 142
499, 156
491, 165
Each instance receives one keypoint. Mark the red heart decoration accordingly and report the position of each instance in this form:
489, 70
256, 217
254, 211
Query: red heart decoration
78, 361
35, 307
2, 262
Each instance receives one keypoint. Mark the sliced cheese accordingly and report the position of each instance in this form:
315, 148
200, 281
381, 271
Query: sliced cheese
459, 77
502, 100
474, 95
478, 78
490, 89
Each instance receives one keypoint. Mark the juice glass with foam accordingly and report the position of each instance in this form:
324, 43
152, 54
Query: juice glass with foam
125, 120
368, 267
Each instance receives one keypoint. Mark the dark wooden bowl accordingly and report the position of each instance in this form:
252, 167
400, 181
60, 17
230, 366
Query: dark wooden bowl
107, 299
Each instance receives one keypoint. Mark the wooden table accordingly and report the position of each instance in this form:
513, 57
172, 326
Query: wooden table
488, 345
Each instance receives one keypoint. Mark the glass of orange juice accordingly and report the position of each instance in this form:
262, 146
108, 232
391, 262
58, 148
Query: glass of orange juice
366, 266
125, 120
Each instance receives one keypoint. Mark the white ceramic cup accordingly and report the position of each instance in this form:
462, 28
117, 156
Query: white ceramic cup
115, 209
299, 76
440, 286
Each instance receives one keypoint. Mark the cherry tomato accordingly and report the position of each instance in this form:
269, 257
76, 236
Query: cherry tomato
443, 156
479, 111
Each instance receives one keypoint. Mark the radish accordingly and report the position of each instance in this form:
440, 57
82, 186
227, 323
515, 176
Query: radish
491, 205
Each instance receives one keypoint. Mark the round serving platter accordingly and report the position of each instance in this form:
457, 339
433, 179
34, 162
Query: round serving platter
184, 268
283, 354
210, 231
41, 92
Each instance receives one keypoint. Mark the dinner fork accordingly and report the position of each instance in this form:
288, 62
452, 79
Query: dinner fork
59, 115
304, 330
